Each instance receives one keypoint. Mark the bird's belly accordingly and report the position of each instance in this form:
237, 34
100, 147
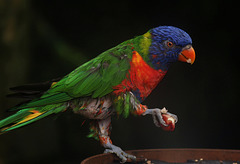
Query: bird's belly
93, 108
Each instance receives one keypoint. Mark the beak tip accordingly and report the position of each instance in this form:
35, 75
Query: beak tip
187, 55
189, 61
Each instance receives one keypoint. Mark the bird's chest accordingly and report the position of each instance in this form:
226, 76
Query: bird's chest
142, 78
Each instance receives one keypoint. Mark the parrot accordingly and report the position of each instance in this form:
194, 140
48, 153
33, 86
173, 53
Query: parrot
116, 82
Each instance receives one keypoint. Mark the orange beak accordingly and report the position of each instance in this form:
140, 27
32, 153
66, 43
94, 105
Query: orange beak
187, 55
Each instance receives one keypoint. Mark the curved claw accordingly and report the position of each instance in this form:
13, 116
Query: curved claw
157, 117
174, 116
120, 153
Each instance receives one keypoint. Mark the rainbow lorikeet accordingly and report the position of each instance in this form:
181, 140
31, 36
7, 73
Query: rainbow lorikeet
115, 82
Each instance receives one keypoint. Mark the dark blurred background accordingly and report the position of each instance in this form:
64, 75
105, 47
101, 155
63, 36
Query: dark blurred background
41, 40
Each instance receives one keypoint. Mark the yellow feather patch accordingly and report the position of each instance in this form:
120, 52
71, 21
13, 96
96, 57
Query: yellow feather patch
34, 114
53, 84
145, 43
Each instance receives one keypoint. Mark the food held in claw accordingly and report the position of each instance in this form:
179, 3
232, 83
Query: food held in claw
170, 121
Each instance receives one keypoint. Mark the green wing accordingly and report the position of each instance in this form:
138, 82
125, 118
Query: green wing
95, 78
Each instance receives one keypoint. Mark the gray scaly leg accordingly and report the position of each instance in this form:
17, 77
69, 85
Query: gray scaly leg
104, 136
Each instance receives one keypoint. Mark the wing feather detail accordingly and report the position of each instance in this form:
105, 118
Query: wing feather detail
95, 78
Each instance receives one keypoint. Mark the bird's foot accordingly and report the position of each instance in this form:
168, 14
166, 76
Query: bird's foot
157, 116
123, 156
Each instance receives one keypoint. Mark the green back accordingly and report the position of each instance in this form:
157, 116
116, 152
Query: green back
95, 78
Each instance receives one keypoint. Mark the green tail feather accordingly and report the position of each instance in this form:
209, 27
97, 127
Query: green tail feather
27, 116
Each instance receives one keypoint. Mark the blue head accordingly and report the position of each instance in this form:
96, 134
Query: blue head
170, 44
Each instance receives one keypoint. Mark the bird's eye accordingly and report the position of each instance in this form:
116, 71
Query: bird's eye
169, 44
